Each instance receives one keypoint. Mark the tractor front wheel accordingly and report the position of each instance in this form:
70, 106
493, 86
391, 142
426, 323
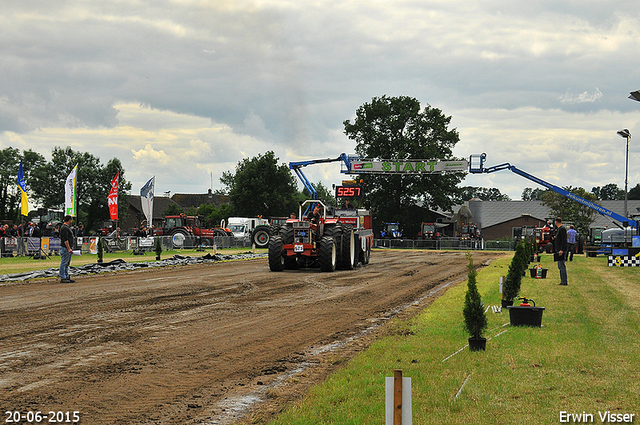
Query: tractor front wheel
327, 254
276, 260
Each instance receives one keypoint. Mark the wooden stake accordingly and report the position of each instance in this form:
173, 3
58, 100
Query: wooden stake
397, 397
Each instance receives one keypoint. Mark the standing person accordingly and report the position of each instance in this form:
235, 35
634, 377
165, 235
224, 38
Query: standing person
571, 242
560, 250
66, 250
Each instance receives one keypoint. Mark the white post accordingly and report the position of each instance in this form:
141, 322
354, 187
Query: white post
398, 411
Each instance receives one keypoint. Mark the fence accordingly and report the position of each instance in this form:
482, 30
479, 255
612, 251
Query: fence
15, 246
444, 243
12, 246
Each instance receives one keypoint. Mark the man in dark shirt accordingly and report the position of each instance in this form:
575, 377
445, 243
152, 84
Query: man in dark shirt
560, 250
315, 215
66, 250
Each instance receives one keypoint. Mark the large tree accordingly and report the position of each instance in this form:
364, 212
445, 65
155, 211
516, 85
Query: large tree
260, 186
484, 193
561, 206
397, 128
634, 192
530, 194
608, 192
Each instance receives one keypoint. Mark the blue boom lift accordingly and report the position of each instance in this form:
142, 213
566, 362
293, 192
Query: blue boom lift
611, 237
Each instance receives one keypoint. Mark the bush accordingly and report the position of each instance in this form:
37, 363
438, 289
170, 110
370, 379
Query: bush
158, 247
475, 318
100, 249
514, 275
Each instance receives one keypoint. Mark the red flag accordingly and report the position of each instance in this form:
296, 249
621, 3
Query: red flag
112, 200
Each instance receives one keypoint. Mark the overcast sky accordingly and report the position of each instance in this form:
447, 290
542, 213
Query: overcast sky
183, 90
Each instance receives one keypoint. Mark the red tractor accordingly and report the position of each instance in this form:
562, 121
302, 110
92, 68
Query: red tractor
430, 231
183, 228
338, 241
544, 236
469, 231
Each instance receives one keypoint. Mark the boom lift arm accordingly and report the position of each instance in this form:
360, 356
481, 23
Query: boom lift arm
296, 166
476, 166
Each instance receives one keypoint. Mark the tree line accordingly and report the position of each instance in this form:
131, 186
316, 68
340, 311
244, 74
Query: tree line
45, 183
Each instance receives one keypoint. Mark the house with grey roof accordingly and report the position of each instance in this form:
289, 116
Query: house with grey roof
496, 219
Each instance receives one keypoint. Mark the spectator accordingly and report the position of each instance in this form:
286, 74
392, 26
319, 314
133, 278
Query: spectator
66, 249
35, 231
80, 231
560, 250
571, 242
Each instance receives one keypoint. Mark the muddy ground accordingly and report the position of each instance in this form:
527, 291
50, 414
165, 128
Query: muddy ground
203, 344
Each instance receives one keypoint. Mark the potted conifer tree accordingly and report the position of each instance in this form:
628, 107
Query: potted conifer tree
513, 281
158, 248
100, 249
475, 318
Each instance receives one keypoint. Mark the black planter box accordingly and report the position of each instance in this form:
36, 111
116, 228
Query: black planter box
525, 315
477, 344
533, 272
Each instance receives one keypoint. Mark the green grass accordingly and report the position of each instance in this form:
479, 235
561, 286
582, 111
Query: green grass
583, 359
24, 264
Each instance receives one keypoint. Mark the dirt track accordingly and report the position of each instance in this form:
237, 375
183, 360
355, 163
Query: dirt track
179, 345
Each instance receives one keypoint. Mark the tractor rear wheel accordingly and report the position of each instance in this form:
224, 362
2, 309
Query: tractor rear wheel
348, 251
179, 238
327, 254
276, 259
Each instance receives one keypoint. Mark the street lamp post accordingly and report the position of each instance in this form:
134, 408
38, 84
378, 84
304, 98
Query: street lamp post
626, 134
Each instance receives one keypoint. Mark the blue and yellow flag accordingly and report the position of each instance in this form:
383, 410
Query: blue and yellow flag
23, 189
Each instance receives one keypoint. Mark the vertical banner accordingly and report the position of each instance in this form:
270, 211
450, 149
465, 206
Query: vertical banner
24, 208
146, 198
112, 199
70, 193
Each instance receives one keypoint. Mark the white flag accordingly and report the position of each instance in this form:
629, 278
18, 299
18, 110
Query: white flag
70, 193
146, 198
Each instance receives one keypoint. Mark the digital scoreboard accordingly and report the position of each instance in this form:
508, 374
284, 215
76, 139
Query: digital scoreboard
348, 192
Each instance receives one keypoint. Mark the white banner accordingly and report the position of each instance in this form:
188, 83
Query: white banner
70, 193
385, 166
146, 199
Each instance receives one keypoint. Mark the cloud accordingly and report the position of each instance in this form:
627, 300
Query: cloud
187, 88
584, 97
150, 155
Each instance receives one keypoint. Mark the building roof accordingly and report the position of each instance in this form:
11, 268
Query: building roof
491, 213
160, 204
188, 200
617, 207
495, 212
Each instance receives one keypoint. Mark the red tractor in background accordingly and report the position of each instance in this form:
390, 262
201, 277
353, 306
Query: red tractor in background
469, 231
544, 236
184, 227
337, 241
430, 231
